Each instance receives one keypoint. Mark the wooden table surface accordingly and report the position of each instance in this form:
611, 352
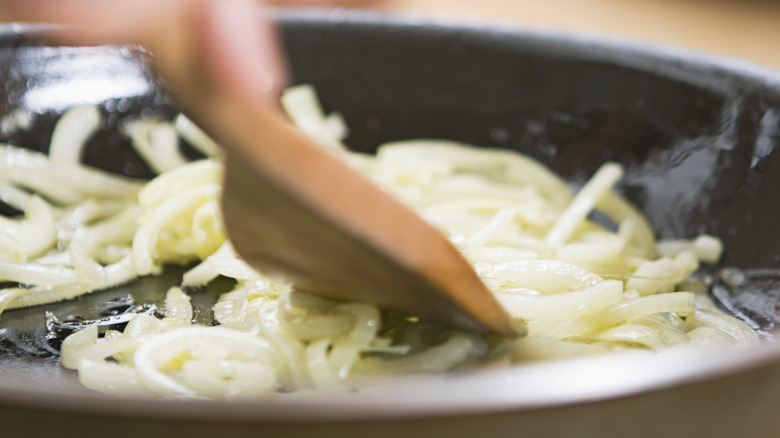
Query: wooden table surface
748, 29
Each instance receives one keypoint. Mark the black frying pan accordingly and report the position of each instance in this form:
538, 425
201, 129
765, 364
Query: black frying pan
698, 136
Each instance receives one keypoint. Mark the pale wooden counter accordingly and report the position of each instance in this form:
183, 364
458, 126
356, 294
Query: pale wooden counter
748, 29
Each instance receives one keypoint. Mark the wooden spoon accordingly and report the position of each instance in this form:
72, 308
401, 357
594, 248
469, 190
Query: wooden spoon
292, 207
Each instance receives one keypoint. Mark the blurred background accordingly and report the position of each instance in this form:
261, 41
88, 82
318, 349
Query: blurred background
748, 29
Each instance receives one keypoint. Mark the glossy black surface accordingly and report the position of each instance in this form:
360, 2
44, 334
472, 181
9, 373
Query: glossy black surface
698, 142
698, 138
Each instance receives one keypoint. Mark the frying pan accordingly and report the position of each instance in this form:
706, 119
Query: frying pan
698, 135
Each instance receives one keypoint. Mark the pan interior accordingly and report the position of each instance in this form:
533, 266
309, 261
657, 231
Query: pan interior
698, 138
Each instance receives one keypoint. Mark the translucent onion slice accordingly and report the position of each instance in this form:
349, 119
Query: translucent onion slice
209, 269
196, 137
14, 196
341, 357
41, 182
8, 295
290, 348
312, 325
74, 345
116, 274
655, 276
681, 303
449, 157
86, 267
76, 126
619, 210
582, 204
707, 248
112, 378
436, 359
39, 275
157, 143
544, 276
501, 221
710, 337
11, 250
64, 183
119, 229
322, 376
668, 333
207, 230
37, 232
544, 348
346, 350
579, 302
302, 106
158, 358
601, 250
635, 334
41, 295
170, 184
80, 349
177, 305
145, 240
228, 379
740, 332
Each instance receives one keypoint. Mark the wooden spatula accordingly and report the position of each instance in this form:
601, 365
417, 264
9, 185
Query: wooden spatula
291, 207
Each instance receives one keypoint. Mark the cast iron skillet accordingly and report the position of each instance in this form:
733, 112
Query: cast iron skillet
698, 136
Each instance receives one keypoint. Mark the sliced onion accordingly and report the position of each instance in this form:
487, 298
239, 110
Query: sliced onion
196, 137
579, 302
153, 357
36, 233
75, 127
582, 204
544, 276
146, 238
